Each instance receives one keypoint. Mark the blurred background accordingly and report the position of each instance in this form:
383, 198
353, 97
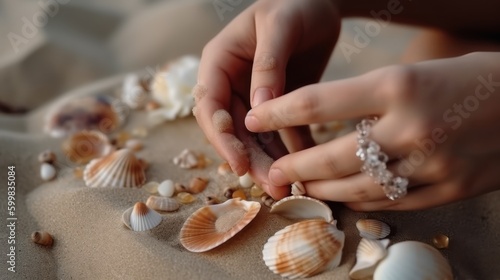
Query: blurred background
49, 47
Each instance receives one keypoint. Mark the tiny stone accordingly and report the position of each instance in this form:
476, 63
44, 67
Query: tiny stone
185, 198
47, 156
151, 187
246, 181
47, 171
134, 144
78, 172
228, 192
224, 169
166, 188
239, 193
140, 132
211, 200
256, 191
197, 185
180, 188
441, 241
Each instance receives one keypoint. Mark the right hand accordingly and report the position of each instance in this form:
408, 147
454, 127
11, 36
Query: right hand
273, 47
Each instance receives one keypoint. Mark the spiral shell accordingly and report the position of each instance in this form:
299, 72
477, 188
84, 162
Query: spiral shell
120, 169
141, 217
83, 146
212, 225
368, 254
373, 229
304, 249
161, 203
302, 207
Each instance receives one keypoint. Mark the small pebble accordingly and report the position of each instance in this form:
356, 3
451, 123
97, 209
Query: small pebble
180, 188
151, 187
256, 191
42, 238
211, 200
47, 171
166, 188
185, 198
47, 156
246, 181
228, 192
197, 185
203, 161
134, 144
224, 169
441, 241
239, 193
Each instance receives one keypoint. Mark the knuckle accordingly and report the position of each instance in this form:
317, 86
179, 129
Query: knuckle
307, 106
398, 83
359, 193
331, 165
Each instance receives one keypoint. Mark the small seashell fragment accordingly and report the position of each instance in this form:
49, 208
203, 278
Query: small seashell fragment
256, 191
212, 225
197, 185
141, 217
78, 172
185, 198
239, 194
224, 169
246, 181
302, 207
47, 171
372, 229
211, 200
228, 192
47, 156
180, 188
121, 138
304, 249
298, 188
166, 188
187, 159
140, 132
162, 203
83, 146
151, 187
203, 161
42, 238
267, 200
133, 93
368, 254
134, 144
152, 105
441, 241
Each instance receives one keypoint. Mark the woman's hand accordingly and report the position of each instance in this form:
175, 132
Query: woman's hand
246, 64
438, 122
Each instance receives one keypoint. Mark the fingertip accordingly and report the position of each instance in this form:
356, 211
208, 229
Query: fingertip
251, 122
276, 193
277, 177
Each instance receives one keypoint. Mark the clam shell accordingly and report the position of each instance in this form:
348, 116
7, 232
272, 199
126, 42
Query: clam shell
83, 146
162, 203
47, 171
166, 188
368, 254
304, 249
212, 225
120, 169
372, 229
85, 113
302, 207
412, 260
141, 217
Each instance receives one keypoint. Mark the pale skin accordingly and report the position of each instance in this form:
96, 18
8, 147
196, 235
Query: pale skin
276, 47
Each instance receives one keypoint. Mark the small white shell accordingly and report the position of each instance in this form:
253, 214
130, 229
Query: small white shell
304, 249
133, 93
412, 260
141, 217
302, 207
47, 171
212, 225
372, 229
163, 203
186, 159
298, 188
246, 181
368, 254
166, 188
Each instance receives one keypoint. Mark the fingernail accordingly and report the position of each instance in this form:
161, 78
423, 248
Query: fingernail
251, 122
277, 177
261, 95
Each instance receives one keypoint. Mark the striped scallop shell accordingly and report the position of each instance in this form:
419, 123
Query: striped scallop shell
141, 217
120, 169
212, 225
302, 207
162, 203
368, 254
372, 229
412, 260
304, 249
83, 146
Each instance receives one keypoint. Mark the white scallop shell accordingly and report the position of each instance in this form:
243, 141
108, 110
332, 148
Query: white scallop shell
304, 249
162, 203
120, 169
368, 254
141, 217
302, 207
412, 260
372, 229
212, 225
133, 94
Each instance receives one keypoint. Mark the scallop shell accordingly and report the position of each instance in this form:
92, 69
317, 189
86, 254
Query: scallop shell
83, 146
85, 113
162, 203
304, 249
120, 169
372, 229
212, 225
141, 217
302, 207
368, 254
412, 260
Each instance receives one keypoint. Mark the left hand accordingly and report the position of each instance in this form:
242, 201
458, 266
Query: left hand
438, 122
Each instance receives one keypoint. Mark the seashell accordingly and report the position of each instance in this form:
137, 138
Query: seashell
211, 200
228, 192
212, 225
101, 113
166, 188
47, 171
141, 217
162, 203
185, 198
133, 92
304, 249
372, 229
246, 181
120, 169
186, 159
441, 241
197, 185
256, 191
412, 260
302, 207
180, 188
151, 187
267, 200
83, 146
239, 194
298, 188
42, 238
224, 169
134, 144
47, 156
368, 254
